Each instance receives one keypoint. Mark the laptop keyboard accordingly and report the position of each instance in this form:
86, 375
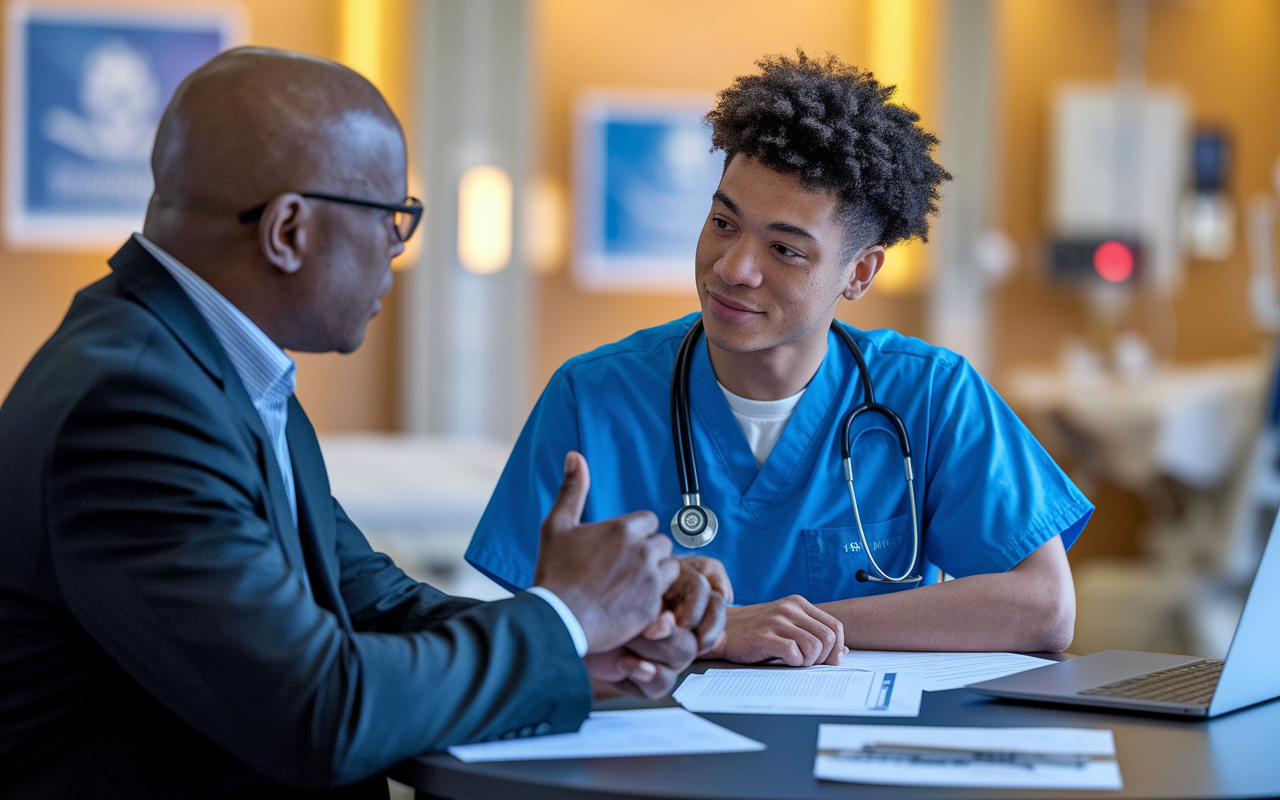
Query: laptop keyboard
1189, 684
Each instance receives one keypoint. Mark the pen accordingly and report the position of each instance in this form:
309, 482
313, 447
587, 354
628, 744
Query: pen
952, 755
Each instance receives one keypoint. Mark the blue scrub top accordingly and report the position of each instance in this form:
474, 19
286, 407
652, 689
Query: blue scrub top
986, 491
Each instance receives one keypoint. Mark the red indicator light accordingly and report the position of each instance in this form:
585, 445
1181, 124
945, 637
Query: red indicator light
1113, 261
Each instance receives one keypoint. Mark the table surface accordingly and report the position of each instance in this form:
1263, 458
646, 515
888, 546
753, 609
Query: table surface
1237, 755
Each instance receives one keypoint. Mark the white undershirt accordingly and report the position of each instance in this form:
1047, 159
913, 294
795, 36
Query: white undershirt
761, 421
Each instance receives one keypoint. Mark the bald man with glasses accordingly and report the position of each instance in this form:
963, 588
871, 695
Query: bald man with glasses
185, 610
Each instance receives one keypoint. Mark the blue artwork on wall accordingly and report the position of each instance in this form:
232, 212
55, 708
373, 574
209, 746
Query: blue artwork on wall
643, 185
85, 93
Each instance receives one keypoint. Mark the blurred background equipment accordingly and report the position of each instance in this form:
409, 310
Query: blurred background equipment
1208, 216
1118, 172
1264, 298
1182, 439
1081, 259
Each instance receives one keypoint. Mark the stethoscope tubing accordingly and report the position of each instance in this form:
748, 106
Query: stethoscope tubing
686, 461
687, 466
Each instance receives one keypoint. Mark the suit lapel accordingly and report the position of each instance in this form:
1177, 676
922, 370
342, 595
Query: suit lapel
278, 513
316, 527
152, 285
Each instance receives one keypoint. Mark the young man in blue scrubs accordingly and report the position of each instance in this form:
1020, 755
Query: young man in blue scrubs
822, 174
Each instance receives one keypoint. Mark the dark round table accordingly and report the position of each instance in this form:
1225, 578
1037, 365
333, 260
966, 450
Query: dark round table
1236, 756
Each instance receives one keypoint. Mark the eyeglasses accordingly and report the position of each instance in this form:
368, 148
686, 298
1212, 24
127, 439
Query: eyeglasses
407, 214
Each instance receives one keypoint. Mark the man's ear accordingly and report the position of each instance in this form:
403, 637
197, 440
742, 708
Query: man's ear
866, 264
282, 233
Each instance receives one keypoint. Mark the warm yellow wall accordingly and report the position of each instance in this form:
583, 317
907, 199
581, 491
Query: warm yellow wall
1233, 80
677, 44
1225, 56
340, 392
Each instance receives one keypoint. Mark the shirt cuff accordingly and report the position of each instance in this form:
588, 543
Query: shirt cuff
566, 616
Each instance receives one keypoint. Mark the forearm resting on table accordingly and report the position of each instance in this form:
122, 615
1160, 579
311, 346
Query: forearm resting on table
1030, 608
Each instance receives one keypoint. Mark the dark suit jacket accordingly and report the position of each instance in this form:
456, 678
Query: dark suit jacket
156, 636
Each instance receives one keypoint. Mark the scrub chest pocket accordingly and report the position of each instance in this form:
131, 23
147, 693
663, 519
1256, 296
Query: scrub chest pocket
835, 555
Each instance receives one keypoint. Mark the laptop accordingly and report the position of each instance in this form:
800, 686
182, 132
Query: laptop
1165, 684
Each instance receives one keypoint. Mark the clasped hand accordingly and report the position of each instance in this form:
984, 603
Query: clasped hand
789, 631
646, 614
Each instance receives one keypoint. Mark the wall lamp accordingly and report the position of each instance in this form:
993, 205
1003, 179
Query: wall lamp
484, 220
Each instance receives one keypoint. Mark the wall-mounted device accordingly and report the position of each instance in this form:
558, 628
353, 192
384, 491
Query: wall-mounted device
1118, 168
1264, 294
1208, 216
1088, 259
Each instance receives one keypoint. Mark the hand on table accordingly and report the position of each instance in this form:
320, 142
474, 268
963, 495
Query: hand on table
613, 574
791, 630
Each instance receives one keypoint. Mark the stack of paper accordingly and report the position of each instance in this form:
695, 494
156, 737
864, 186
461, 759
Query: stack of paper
642, 732
943, 671
1016, 758
828, 691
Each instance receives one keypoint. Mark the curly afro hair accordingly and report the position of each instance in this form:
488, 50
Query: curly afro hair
833, 125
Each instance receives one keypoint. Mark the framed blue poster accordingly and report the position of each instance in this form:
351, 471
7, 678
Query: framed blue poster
644, 174
84, 92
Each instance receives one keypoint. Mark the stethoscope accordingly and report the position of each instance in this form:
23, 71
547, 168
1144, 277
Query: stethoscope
695, 525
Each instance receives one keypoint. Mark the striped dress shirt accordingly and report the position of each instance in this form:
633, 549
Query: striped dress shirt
267, 372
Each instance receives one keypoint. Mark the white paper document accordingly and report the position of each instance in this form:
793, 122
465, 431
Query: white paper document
834, 692
607, 734
1010, 758
943, 671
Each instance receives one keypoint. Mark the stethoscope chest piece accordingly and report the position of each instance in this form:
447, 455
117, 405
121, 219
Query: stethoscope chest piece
694, 525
